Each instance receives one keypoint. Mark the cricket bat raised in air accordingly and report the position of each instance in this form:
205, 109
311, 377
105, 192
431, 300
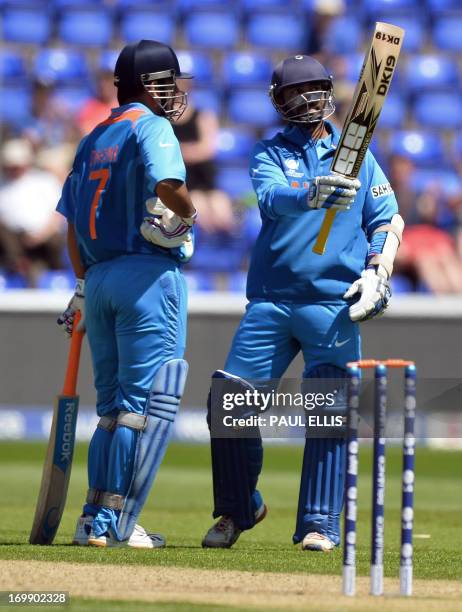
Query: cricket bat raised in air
58, 462
373, 85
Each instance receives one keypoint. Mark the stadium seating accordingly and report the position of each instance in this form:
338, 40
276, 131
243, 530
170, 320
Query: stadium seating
394, 111
447, 33
90, 28
138, 25
11, 281
107, 60
244, 68
445, 179
73, 96
439, 109
58, 65
415, 32
198, 64
344, 35
56, 280
431, 72
277, 30
206, 98
12, 67
252, 107
376, 8
15, 103
26, 26
234, 180
423, 147
234, 145
213, 30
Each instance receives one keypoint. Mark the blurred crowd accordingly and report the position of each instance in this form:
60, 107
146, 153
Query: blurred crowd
36, 154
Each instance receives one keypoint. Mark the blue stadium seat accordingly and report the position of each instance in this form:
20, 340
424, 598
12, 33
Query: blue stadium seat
73, 97
457, 146
439, 109
447, 33
197, 64
446, 179
234, 145
237, 282
11, 281
138, 25
199, 281
251, 225
422, 147
246, 68
61, 65
234, 180
252, 107
263, 5
276, 31
12, 66
123, 4
442, 6
91, 27
26, 26
107, 60
394, 111
206, 99
400, 284
353, 64
217, 252
431, 72
65, 4
191, 5
344, 35
56, 280
379, 7
15, 104
217, 30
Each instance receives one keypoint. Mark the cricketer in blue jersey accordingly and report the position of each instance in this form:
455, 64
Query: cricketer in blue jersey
130, 223
300, 301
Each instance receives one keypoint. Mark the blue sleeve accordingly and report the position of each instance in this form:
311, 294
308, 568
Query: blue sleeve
275, 196
379, 206
160, 151
66, 204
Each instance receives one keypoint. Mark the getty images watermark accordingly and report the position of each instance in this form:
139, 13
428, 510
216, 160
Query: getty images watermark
278, 408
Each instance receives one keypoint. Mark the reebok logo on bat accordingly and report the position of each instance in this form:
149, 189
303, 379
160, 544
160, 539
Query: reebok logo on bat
389, 38
67, 444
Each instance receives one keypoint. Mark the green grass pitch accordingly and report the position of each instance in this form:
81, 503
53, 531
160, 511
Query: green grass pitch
180, 508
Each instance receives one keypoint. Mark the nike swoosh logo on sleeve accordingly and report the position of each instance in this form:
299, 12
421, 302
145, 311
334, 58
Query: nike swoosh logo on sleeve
339, 344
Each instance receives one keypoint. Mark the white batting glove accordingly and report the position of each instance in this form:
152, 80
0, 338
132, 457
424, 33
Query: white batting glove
169, 231
333, 191
375, 295
66, 320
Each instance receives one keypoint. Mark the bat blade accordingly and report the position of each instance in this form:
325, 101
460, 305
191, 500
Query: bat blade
56, 471
58, 462
368, 100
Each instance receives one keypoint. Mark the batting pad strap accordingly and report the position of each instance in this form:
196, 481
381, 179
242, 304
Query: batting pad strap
106, 499
380, 259
132, 420
107, 423
390, 227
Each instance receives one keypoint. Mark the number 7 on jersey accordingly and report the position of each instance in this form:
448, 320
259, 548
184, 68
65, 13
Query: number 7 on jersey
102, 175
373, 85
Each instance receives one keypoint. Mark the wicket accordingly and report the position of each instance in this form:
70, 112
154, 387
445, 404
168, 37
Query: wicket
378, 482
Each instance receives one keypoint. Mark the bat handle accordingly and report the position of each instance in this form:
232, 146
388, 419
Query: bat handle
72, 370
320, 245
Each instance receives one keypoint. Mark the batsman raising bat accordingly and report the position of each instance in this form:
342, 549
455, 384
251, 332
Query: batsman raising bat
300, 301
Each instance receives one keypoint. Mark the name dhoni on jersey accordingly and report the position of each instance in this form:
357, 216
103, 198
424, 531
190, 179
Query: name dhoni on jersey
104, 156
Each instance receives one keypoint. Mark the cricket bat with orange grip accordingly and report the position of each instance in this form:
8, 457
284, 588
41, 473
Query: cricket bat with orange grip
58, 462
368, 100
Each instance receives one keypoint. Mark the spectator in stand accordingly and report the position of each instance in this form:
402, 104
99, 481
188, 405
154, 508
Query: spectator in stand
31, 231
197, 132
428, 254
51, 122
97, 109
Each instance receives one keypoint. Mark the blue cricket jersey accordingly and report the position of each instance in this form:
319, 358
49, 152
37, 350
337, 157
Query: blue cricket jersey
283, 267
116, 169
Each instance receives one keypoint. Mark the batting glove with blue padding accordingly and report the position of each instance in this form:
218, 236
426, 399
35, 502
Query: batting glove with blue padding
333, 191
